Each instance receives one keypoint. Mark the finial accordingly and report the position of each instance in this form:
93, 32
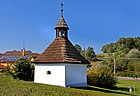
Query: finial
62, 9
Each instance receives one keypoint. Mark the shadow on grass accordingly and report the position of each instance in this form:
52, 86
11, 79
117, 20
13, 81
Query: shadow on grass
108, 90
121, 88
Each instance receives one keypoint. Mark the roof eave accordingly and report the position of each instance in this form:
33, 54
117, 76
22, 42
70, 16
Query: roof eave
37, 62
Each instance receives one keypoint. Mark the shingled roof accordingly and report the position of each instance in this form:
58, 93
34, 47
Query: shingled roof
61, 23
61, 50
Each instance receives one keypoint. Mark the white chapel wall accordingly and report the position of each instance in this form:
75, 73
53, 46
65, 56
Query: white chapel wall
57, 76
76, 75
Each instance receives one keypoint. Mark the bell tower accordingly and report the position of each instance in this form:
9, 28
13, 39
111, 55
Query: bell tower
61, 27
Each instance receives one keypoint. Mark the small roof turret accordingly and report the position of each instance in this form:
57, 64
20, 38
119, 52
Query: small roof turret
62, 24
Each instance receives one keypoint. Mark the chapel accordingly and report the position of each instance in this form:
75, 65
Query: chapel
61, 64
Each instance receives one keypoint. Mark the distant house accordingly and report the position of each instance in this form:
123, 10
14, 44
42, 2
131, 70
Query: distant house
61, 64
34, 56
7, 58
18, 53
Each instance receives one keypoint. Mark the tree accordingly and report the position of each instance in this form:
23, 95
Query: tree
90, 54
23, 70
78, 47
104, 48
87, 53
83, 52
109, 48
137, 43
122, 46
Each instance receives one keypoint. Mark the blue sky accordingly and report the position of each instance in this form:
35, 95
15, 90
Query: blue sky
91, 22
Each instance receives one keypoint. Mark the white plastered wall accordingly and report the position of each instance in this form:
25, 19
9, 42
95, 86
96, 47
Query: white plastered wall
57, 76
76, 75
73, 75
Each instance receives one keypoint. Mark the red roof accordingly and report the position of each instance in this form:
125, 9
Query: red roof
2, 66
35, 55
16, 53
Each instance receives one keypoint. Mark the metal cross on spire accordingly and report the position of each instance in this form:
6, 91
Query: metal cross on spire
62, 9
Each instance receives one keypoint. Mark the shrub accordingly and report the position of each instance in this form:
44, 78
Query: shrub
126, 74
132, 68
99, 76
23, 70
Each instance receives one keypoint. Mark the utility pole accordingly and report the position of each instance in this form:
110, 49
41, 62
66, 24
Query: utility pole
114, 66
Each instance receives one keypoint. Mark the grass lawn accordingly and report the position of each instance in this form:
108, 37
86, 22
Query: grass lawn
14, 87
123, 85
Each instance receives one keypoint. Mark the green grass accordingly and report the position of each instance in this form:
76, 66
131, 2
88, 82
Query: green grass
14, 87
123, 85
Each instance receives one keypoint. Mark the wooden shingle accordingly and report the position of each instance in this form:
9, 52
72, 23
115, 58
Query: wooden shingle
61, 50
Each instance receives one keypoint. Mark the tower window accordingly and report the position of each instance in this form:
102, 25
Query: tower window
59, 34
62, 34
48, 72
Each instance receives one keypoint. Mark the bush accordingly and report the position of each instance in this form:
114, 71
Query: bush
126, 74
99, 76
23, 70
132, 68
